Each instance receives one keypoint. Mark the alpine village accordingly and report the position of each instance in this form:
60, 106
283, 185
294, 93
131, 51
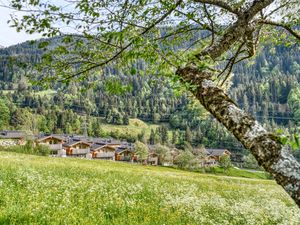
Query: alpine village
150, 112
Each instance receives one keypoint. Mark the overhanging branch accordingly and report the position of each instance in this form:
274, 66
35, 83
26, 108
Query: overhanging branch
220, 3
282, 25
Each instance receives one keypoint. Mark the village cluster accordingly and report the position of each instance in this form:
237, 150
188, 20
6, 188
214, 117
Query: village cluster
96, 148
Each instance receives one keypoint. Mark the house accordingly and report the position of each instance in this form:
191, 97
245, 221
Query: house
152, 159
103, 151
11, 138
54, 142
77, 148
214, 155
125, 153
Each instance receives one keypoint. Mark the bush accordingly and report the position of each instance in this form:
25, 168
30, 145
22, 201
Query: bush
185, 160
250, 162
141, 150
225, 162
28, 148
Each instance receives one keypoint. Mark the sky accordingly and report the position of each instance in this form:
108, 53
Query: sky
8, 35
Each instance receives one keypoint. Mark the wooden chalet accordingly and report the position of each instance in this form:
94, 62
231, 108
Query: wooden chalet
77, 148
215, 154
125, 153
55, 143
11, 138
104, 151
152, 158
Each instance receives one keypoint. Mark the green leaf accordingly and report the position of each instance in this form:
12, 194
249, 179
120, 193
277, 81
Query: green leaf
43, 44
133, 71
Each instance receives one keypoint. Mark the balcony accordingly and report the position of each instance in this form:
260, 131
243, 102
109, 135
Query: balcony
79, 151
105, 155
55, 146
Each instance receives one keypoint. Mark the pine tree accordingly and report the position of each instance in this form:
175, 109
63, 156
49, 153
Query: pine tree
152, 137
188, 135
4, 114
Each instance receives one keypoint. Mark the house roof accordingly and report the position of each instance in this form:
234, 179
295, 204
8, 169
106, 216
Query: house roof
104, 140
14, 134
73, 142
217, 152
61, 138
97, 146
123, 149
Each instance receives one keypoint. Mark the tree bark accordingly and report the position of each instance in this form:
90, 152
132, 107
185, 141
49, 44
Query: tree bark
266, 147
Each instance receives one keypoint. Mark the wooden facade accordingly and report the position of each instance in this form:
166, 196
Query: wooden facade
77, 148
152, 159
104, 152
54, 143
214, 155
126, 155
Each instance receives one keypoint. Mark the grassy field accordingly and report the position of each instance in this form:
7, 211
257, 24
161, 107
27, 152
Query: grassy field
236, 172
42, 190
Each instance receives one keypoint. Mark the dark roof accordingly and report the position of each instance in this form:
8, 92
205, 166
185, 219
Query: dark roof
14, 134
216, 152
55, 136
72, 142
97, 145
123, 148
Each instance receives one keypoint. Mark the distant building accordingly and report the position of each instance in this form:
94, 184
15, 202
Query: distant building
213, 156
125, 153
77, 148
12, 138
104, 151
54, 142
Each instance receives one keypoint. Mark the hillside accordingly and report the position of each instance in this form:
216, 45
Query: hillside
39, 190
265, 86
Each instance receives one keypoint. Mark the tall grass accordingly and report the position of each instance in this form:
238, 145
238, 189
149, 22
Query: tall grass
42, 190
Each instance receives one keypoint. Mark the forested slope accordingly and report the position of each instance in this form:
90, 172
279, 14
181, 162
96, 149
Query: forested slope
267, 86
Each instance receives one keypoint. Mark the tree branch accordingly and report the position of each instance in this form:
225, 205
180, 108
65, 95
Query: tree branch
220, 3
127, 46
234, 32
285, 26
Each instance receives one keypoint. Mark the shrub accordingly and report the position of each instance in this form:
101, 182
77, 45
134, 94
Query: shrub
185, 160
29, 148
225, 162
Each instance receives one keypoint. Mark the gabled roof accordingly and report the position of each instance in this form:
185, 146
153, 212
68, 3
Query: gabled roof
217, 152
50, 136
123, 149
97, 146
71, 143
14, 134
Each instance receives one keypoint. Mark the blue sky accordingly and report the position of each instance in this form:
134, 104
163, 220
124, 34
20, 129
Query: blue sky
9, 36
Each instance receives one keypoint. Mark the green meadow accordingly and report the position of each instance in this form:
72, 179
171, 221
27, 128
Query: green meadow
44, 190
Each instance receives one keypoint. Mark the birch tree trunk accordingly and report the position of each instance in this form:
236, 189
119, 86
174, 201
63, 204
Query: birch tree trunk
266, 148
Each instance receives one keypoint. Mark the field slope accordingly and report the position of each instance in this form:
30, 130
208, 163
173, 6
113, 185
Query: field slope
42, 190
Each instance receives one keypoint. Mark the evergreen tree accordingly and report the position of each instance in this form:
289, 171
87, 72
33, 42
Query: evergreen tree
163, 133
126, 119
152, 137
188, 135
4, 114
